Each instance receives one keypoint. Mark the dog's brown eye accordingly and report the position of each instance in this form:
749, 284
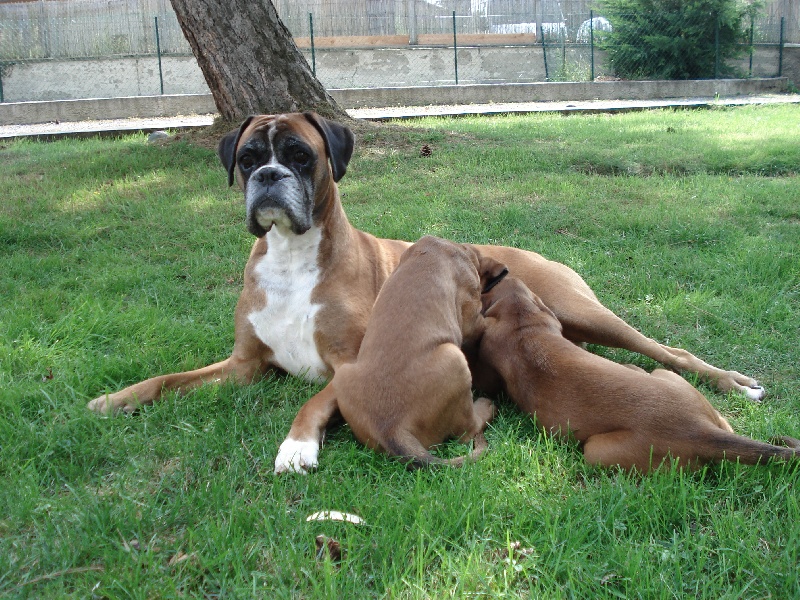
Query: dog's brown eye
301, 157
246, 162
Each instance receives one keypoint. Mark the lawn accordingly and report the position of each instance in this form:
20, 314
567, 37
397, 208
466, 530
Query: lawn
123, 260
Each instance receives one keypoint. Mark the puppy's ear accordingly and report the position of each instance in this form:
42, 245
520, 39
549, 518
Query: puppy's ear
491, 272
543, 307
339, 142
227, 149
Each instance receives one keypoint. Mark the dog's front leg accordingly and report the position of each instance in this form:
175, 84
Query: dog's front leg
299, 451
241, 369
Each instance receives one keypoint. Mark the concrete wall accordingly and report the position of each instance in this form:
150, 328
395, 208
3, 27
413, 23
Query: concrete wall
337, 69
791, 63
101, 78
550, 92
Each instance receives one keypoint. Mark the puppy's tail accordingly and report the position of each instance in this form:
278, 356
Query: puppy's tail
730, 446
408, 449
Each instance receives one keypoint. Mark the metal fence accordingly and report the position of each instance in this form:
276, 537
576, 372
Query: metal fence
399, 42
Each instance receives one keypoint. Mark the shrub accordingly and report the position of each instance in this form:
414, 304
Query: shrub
674, 39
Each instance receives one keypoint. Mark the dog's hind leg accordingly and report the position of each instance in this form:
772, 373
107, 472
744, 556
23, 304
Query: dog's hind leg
483, 411
620, 448
585, 319
595, 324
409, 450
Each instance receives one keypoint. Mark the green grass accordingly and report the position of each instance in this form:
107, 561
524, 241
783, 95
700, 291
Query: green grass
122, 261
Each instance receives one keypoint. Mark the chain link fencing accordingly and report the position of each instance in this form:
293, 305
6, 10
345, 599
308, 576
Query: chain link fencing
390, 43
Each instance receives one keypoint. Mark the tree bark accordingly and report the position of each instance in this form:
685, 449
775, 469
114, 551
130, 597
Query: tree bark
249, 59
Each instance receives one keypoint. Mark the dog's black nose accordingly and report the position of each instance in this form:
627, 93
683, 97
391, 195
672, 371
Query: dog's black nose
270, 174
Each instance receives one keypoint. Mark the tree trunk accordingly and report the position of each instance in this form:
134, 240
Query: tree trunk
249, 59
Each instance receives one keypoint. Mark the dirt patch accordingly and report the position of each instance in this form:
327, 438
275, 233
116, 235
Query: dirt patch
204, 137
371, 136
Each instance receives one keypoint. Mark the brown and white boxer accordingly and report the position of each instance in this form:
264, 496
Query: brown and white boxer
312, 278
622, 415
410, 387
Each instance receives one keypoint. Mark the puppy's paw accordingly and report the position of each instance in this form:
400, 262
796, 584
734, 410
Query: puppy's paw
485, 410
296, 456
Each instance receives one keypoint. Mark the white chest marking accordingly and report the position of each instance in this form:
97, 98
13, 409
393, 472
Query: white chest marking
288, 274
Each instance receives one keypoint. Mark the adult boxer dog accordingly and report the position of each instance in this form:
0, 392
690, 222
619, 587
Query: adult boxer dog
621, 414
410, 387
312, 278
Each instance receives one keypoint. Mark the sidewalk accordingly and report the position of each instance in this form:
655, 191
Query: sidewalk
122, 126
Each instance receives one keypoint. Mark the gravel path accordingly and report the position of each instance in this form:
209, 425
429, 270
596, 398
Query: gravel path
114, 126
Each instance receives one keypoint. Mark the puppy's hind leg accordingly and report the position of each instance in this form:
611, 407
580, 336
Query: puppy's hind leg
617, 448
483, 411
408, 448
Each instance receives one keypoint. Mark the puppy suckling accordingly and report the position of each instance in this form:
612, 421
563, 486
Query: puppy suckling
621, 414
410, 386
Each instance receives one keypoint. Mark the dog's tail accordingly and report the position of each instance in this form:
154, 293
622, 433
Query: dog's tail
408, 449
724, 445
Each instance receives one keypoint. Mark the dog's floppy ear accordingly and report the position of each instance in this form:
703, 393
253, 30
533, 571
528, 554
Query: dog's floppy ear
339, 142
491, 272
227, 149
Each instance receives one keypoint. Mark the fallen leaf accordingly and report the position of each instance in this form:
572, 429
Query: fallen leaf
608, 578
514, 551
331, 547
180, 557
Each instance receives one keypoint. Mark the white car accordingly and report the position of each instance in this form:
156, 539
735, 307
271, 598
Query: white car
549, 29
598, 24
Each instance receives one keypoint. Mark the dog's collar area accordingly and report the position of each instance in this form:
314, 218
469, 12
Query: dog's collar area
494, 281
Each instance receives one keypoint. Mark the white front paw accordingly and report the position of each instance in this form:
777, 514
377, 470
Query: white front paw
296, 456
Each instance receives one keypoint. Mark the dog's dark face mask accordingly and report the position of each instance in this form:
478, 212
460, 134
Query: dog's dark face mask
283, 166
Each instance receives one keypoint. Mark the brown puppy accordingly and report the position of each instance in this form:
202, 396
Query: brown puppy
622, 415
410, 387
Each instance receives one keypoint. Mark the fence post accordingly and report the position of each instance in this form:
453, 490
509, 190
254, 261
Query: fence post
311, 34
1, 83
591, 40
780, 50
752, 28
412, 22
158, 52
544, 54
44, 35
455, 47
716, 48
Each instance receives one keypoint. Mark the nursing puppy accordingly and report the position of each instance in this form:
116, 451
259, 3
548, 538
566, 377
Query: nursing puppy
621, 414
410, 387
